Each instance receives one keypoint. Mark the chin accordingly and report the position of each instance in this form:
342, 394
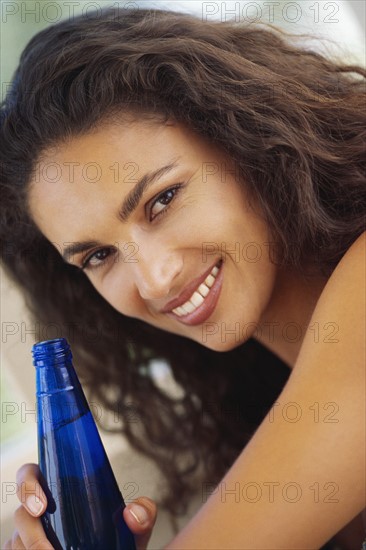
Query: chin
221, 346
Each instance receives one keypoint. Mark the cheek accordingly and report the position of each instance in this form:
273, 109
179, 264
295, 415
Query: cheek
117, 288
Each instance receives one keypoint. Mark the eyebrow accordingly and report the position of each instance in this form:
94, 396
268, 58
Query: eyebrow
78, 248
129, 204
134, 196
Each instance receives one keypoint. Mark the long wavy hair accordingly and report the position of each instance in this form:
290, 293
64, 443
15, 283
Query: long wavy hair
293, 121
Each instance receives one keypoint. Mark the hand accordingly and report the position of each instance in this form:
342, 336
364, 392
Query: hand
140, 515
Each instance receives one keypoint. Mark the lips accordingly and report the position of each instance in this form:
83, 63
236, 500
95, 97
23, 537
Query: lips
198, 300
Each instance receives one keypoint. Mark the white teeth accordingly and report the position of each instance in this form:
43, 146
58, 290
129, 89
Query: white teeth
203, 290
209, 281
198, 296
189, 307
197, 299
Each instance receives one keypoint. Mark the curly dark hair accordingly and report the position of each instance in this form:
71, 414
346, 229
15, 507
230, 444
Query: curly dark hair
293, 121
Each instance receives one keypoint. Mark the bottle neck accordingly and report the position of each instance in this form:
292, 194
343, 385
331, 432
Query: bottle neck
54, 370
57, 386
51, 353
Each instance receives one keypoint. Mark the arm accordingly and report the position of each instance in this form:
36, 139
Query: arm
298, 483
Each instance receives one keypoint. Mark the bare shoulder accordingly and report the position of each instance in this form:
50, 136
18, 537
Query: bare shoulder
327, 453
356, 251
352, 266
341, 313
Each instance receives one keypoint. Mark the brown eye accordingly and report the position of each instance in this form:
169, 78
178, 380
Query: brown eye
97, 259
163, 201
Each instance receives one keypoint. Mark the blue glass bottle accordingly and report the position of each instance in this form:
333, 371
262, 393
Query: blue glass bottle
85, 505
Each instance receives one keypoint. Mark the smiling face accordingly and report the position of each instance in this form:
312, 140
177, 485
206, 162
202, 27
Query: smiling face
155, 217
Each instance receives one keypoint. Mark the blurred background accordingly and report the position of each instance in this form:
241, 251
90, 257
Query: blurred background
341, 21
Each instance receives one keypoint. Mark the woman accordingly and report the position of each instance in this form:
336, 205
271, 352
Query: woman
183, 189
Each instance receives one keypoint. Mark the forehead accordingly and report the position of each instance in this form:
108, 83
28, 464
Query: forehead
93, 171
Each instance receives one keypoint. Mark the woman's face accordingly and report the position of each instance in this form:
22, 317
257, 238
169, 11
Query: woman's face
155, 217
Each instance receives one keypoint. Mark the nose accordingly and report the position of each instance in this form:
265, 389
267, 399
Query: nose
155, 272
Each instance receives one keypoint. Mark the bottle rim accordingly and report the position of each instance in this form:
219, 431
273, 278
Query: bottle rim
51, 351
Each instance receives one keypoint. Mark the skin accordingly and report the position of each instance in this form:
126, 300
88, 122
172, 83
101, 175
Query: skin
305, 451
170, 240
168, 250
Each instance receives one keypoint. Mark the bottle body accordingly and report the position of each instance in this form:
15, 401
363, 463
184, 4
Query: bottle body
85, 505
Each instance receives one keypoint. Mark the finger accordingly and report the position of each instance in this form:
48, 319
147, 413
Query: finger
140, 516
30, 531
29, 490
16, 542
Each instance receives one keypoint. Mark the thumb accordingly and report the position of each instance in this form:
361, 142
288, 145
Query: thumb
140, 516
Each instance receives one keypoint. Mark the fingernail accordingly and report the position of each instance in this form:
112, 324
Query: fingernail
139, 513
34, 504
